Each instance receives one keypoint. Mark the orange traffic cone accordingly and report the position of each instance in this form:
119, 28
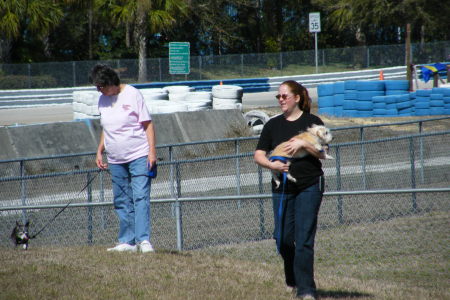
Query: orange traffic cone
221, 83
381, 75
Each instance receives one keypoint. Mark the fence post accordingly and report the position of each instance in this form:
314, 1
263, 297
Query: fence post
238, 170
102, 198
363, 157
89, 209
242, 65
413, 174
74, 74
178, 211
339, 186
200, 67
23, 191
262, 219
29, 76
422, 177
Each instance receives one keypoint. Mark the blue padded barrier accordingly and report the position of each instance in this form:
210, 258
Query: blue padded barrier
370, 85
381, 98
325, 90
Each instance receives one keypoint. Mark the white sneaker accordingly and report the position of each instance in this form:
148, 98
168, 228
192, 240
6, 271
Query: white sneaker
123, 248
145, 247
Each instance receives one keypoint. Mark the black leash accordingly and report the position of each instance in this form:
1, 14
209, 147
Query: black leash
48, 223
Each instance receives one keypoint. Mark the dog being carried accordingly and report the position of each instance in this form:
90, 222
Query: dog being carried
317, 135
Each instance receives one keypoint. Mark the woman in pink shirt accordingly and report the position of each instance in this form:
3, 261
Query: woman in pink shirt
128, 138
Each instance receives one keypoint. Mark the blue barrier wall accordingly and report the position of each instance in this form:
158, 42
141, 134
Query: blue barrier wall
383, 98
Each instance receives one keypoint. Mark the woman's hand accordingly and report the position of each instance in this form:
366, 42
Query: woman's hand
99, 161
279, 166
151, 158
294, 145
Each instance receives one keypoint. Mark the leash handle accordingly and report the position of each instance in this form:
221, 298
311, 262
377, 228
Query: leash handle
152, 170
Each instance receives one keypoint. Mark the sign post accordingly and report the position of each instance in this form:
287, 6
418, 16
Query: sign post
179, 58
314, 26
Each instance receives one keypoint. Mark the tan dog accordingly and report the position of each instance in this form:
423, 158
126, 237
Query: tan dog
317, 135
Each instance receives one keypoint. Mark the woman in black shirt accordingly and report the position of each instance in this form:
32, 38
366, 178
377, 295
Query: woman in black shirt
296, 218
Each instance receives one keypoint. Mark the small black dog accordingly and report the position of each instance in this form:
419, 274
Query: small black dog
20, 235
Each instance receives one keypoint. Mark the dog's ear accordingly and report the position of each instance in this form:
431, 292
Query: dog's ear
27, 224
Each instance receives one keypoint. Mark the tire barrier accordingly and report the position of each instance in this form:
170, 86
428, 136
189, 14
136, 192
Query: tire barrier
227, 97
383, 98
85, 105
256, 119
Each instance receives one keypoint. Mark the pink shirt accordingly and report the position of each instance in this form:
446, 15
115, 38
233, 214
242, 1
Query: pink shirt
121, 117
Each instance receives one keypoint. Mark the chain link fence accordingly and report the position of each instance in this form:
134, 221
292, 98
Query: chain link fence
218, 67
382, 195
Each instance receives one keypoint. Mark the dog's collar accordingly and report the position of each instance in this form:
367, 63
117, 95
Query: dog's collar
283, 159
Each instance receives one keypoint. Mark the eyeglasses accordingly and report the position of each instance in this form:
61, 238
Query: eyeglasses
99, 88
282, 96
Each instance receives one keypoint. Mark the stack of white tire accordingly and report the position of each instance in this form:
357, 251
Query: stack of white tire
85, 105
227, 97
154, 98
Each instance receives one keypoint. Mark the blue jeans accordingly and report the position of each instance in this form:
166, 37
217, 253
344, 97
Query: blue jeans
131, 189
298, 233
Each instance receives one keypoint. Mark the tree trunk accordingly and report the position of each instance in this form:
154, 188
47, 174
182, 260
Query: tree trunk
90, 18
141, 39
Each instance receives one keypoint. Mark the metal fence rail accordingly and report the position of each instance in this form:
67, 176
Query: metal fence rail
212, 193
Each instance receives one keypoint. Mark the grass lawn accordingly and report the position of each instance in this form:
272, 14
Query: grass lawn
347, 267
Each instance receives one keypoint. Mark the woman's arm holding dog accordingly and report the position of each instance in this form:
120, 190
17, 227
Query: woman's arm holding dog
294, 145
260, 157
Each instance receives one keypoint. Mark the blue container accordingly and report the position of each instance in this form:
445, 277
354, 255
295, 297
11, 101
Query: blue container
437, 103
364, 105
349, 112
436, 111
326, 101
396, 92
338, 99
379, 99
349, 104
379, 112
350, 84
436, 96
379, 105
325, 89
339, 87
404, 105
422, 112
422, 105
396, 85
423, 93
370, 86
368, 95
351, 95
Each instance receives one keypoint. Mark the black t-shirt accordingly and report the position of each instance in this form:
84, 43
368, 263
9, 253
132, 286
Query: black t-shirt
306, 170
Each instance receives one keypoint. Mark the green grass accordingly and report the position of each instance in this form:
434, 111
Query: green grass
393, 259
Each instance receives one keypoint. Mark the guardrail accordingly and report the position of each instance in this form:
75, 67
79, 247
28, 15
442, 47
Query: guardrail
38, 97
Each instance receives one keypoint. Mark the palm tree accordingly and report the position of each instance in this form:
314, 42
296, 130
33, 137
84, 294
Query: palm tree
18, 16
148, 17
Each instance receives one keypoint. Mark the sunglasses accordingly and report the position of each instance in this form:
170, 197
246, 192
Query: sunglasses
282, 96
99, 88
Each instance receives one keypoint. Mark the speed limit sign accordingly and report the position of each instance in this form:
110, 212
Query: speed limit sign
314, 22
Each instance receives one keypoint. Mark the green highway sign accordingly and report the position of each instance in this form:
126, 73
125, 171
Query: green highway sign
179, 58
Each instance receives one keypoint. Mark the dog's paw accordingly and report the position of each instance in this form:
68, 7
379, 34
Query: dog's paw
291, 178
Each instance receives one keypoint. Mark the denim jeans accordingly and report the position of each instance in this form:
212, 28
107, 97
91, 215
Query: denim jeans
131, 189
298, 233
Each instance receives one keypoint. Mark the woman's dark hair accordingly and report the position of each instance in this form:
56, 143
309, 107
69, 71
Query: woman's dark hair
103, 75
298, 89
